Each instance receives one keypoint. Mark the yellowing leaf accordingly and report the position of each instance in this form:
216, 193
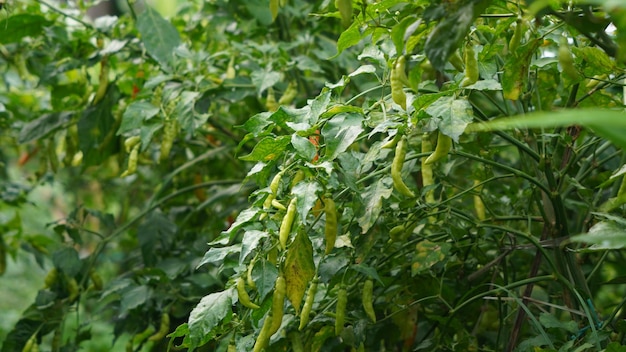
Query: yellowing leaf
428, 254
516, 68
274, 8
299, 268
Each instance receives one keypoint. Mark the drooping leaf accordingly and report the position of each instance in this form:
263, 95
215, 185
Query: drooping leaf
306, 193
264, 275
293, 118
350, 37
134, 297
399, 30
95, 129
318, 105
373, 202
304, 118
135, 115
321, 336
207, 315
243, 218
453, 115
257, 123
427, 254
340, 132
265, 78
67, 260
159, 37
43, 126
450, 32
157, 229
185, 113
304, 147
31, 321
367, 270
299, 268
515, 73
250, 242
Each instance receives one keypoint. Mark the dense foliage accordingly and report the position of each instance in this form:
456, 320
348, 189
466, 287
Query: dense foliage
317, 175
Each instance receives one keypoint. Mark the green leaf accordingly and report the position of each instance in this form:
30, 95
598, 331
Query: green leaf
363, 69
250, 242
615, 347
264, 275
367, 270
305, 149
147, 131
487, 84
299, 268
549, 321
135, 114
31, 322
453, 115
318, 106
181, 331
185, 113
243, 218
303, 119
159, 37
293, 119
268, 149
609, 124
135, 297
13, 29
156, 230
398, 32
321, 336
350, 37
257, 123
265, 78
260, 10
587, 346
67, 260
340, 132
306, 193
173, 267
373, 202
450, 32
217, 255
118, 286
207, 315
604, 235
43, 126
306, 63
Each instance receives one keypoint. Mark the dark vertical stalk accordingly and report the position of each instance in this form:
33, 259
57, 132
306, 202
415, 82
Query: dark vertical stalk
521, 313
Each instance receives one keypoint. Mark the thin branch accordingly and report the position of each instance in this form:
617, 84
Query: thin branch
64, 14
